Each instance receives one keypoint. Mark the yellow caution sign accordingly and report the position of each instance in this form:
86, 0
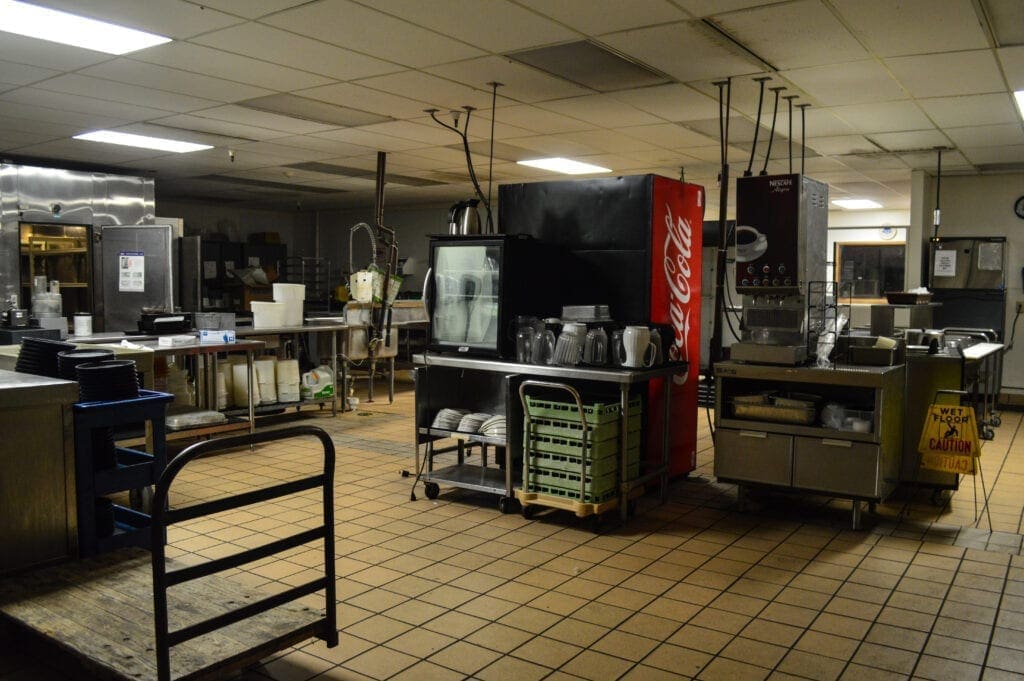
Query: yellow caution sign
949, 440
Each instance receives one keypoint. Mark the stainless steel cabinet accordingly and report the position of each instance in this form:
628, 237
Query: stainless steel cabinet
808, 456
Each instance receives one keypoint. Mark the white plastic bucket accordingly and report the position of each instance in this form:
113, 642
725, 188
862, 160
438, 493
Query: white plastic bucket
292, 295
268, 315
266, 379
360, 286
288, 380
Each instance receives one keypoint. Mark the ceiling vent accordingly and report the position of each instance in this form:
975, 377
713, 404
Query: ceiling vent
313, 111
591, 65
1005, 20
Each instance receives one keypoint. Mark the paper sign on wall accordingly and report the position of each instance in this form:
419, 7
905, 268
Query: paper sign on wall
209, 269
945, 263
131, 272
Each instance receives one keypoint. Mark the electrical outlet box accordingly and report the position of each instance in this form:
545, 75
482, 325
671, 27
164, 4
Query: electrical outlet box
1020, 306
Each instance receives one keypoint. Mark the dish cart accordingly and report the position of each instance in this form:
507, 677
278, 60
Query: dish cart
573, 454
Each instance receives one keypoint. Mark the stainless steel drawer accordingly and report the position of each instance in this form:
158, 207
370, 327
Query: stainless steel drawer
754, 456
835, 465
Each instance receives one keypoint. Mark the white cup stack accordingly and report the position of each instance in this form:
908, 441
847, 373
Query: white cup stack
266, 379
240, 386
225, 378
292, 295
288, 380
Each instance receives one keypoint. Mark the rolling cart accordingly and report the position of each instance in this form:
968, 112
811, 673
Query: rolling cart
572, 453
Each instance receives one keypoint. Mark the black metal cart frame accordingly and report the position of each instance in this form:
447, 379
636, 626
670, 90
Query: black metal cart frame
162, 517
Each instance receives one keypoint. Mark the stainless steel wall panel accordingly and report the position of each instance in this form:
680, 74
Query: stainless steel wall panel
123, 200
54, 196
8, 230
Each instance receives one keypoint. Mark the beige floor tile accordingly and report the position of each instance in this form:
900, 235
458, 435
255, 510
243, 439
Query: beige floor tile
811, 665
676, 659
829, 645
602, 614
625, 645
649, 626
465, 657
506, 668
884, 657
428, 670
576, 632
500, 637
420, 642
296, 665
643, 672
455, 624
722, 669
720, 620
380, 662
596, 666
701, 638
530, 619
772, 632
546, 651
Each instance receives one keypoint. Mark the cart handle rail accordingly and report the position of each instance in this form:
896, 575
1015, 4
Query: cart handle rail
526, 430
324, 628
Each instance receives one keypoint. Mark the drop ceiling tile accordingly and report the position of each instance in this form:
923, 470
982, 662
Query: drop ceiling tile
868, 162
667, 136
37, 126
480, 127
841, 144
1009, 154
372, 140
436, 157
659, 47
46, 54
852, 83
438, 92
422, 133
153, 130
914, 26
662, 157
547, 146
283, 151
94, 152
81, 122
614, 142
600, 110
952, 112
794, 34
262, 119
713, 154
113, 91
882, 117
288, 49
891, 177
539, 121
1009, 134
158, 77
675, 102
594, 17
34, 97
495, 26
368, 31
13, 139
221, 64
23, 74
821, 164
819, 122
1012, 59
927, 160
520, 83
948, 74
218, 127
332, 147
366, 99
707, 8
913, 139
252, 9
172, 18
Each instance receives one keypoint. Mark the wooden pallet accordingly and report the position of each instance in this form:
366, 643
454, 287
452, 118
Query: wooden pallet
99, 612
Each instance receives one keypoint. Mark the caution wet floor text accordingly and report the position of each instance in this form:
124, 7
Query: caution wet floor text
949, 440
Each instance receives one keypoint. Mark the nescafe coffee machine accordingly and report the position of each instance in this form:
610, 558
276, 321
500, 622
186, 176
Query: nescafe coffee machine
780, 241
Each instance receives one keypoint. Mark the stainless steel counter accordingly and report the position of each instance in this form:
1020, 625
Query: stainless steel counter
620, 376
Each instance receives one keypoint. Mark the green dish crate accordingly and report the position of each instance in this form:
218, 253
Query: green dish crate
596, 449
574, 495
594, 467
596, 414
570, 480
540, 425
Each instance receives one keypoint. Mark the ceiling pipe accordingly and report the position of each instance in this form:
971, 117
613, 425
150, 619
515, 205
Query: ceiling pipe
803, 134
771, 135
789, 100
757, 125
724, 97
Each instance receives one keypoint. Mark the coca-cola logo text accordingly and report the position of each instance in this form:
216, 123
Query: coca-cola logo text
678, 251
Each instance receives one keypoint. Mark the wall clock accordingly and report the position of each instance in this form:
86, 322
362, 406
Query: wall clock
1018, 207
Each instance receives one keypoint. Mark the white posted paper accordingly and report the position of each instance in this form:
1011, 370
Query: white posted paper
132, 272
945, 263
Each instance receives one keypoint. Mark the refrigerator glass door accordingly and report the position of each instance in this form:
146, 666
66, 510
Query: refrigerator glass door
466, 290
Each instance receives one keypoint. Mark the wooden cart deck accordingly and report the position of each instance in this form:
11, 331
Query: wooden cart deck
99, 612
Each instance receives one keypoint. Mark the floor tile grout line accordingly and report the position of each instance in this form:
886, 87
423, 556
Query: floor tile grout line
995, 618
945, 598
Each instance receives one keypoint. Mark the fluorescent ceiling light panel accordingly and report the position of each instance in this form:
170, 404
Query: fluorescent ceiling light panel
142, 141
70, 29
564, 165
856, 204
1019, 96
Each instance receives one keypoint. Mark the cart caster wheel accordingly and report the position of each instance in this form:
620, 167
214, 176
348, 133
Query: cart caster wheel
431, 489
141, 499
505, 504
938, 498
988, 434
528, 511
996, 421
595, 523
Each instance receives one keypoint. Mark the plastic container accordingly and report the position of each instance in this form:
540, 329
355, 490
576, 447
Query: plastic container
266, 315
294, 296
266, 379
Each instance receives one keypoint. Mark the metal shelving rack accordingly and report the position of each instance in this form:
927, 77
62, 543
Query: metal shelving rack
315, 274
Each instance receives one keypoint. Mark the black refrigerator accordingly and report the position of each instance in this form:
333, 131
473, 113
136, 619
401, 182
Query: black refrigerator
967, 275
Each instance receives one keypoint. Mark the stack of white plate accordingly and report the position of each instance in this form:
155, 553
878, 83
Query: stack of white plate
448, 419
471, 423
288, 380
494, 427
266, 379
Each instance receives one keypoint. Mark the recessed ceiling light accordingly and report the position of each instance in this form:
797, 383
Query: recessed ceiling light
142, 141
1019, 96
856, 204
70, 29
564, 165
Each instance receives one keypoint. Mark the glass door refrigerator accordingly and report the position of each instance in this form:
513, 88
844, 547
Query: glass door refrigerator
477, 285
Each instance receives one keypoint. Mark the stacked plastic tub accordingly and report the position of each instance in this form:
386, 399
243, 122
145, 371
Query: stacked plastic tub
557, 465
293, 296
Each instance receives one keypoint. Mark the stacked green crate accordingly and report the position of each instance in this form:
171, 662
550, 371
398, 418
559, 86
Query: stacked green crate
555, 459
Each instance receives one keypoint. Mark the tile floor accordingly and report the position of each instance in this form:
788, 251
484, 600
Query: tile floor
452, 589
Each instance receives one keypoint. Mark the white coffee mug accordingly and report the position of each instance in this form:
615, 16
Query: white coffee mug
637, 347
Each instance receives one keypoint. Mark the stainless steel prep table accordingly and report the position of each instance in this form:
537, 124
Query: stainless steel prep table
143, 358
624, 378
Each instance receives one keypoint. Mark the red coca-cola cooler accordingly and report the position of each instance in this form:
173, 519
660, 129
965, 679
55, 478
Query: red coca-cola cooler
633, 243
